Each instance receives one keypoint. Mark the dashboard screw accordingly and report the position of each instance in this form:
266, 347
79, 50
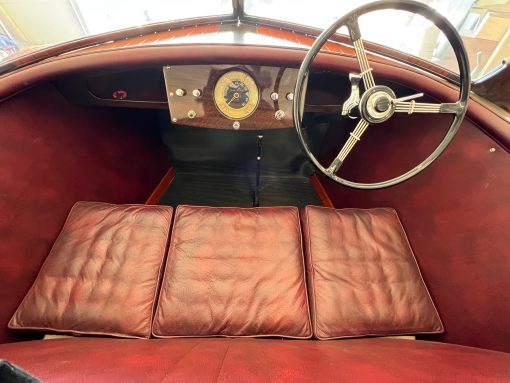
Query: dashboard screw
192, 114
290, 96
492, 150
236, 125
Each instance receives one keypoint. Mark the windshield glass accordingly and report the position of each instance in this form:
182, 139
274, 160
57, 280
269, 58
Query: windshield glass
483, 24
28, 25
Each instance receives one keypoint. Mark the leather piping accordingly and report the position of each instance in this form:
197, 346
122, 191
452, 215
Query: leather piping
312, 275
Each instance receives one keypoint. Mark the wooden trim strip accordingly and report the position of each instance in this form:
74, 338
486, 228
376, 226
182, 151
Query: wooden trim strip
321, 192
162, 187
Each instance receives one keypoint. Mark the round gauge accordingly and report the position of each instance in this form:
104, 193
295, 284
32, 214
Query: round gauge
236, 95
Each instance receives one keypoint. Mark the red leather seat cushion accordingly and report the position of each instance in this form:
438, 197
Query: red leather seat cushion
234, 272
255, 360
363, 278
102, 274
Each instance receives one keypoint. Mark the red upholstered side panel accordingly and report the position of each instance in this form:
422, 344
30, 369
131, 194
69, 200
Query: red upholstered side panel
457, 217
362, 275
234, 272
53, 154
102, 274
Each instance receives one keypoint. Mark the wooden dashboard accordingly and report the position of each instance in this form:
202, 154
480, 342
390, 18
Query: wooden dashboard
146, 87
194, 98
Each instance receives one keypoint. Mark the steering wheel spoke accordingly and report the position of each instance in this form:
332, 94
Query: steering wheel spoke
353, 139
357, 42
411, 107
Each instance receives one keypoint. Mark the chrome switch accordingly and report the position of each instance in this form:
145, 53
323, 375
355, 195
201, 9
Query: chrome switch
279, 115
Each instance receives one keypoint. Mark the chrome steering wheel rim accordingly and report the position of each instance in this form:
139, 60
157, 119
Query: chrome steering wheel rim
350, 20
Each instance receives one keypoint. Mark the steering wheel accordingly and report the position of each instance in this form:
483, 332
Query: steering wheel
378, 103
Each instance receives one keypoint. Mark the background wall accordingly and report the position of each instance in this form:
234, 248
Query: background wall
41, 22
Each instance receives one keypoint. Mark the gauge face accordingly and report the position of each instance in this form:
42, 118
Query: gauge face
236, 95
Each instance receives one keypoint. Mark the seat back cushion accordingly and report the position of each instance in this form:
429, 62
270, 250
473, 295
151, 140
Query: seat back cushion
362, 276
234, 272
102, 274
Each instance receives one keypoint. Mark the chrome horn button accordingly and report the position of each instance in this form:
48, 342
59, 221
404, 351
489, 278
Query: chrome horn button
377, 104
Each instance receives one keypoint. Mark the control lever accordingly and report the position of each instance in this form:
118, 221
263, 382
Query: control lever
354, 98
407, 98
256, 202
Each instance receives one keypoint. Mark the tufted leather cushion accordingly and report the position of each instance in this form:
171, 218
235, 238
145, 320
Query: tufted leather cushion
102, 274
234, 272
362, 276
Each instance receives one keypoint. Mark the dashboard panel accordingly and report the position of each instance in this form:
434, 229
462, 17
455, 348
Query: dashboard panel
234, 97
125, 88
145, 87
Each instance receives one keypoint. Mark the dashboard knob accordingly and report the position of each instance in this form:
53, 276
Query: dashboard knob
274, 96
180, 92
279, 115
120, 94
196, 93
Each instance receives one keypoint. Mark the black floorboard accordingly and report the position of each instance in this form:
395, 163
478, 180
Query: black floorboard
238, 191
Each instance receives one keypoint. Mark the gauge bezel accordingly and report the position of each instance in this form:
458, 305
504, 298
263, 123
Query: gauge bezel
219, 95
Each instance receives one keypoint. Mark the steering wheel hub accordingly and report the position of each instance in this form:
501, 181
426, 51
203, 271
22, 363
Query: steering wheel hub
376, 104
